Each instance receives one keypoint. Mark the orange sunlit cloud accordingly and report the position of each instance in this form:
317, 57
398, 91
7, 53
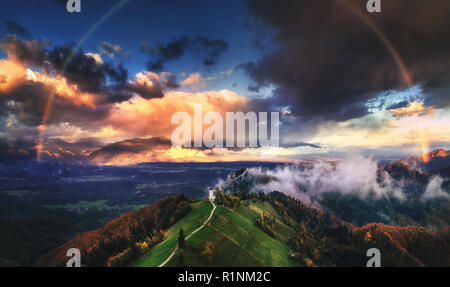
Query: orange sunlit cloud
194, 80
412, 109
60, 87
139, 117
152, 117
12, 73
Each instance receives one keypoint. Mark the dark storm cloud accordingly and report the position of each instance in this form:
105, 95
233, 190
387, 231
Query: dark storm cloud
91, 76
12, 27
253, 88
118, 74
167, 81
210, 51
78, 68
84, 71
164, 53
106, 82
27, 102
147, 92
328, 62
402, 104
28, 52
437, 91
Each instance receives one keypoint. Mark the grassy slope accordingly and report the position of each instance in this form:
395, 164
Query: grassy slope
236, 239
189, 223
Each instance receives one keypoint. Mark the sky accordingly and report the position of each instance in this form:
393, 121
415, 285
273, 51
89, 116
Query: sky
345, 81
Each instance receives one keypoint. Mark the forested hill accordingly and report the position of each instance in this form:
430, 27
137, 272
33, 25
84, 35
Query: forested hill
241, 231
99, 246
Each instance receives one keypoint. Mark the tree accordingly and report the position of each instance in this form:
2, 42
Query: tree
208, 253
181, 239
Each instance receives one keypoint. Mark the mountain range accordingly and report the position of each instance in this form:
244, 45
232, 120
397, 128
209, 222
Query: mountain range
154, 149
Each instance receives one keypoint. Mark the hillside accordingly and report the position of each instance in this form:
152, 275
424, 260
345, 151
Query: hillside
252, 230
99, 247
233, 237
290, 215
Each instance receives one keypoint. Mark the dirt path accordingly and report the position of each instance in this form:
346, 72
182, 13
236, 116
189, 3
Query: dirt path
211, 199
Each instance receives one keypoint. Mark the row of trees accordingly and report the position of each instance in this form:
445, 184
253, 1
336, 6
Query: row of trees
227, 200
266, 222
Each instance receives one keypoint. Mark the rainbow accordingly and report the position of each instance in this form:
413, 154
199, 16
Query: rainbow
48, 106
390, 47
387, 43
425, 148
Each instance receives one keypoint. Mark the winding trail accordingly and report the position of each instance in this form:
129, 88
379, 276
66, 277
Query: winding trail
211, 199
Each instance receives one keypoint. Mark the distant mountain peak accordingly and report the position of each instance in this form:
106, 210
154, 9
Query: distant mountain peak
132, 151
439, 153
435, 159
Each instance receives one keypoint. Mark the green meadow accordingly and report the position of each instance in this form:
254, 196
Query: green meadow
235, 238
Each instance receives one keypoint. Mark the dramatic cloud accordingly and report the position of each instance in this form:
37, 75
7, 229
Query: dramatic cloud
323, 70
438, 91
399, 105
380, 131
28, 52
91, 97
331, 56
194, 79
208, 49
212, 49
111, 50
83, 90
25, 94
152, 117
87, 71
84, 70
165, 53
12, 27
411, 109
97, 57
150, 85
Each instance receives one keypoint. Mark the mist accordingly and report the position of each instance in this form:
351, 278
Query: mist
355, 175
